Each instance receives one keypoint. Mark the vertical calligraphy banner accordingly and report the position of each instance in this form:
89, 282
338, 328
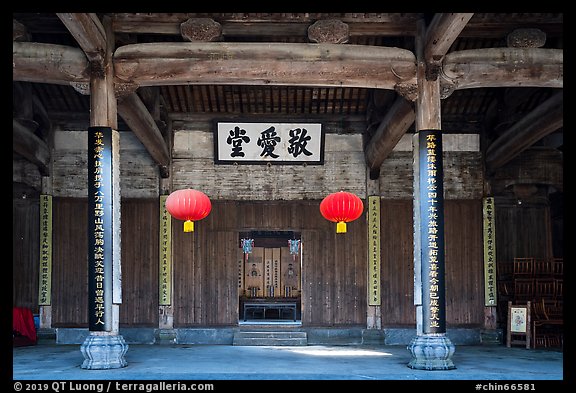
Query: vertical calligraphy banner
432, 231
489, 231
268, 277
165, 276
240, 260
100, 229
374, 250
276, 271
45, 278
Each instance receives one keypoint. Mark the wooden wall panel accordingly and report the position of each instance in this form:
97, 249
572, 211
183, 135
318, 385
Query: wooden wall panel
140, 220
70, 262
205, 276
334, 277
522, 231
397, 263
140, 262
464, 266
205, 270
25, 252
186, 280
463, 263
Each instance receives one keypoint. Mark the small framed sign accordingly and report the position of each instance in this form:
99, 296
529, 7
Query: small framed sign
238, 142
518, 325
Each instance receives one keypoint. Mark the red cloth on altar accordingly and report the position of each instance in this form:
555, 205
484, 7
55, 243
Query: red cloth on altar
23, 329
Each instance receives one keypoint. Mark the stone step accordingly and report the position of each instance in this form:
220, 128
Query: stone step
270, 338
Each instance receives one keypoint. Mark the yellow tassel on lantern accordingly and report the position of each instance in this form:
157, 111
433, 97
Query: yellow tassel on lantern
341, 227
188, 226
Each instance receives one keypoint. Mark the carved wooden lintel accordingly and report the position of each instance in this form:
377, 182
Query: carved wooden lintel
81, 87
526, 38
201, 29
446, 89
331, 31
123, 89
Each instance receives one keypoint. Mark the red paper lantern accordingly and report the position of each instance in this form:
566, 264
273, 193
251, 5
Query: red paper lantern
188, 205
341, 207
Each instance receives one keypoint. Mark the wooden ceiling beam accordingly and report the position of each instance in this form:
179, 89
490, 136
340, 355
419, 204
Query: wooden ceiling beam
48, 63
290, 64
504, 67
89, 32
156, 64
545, 119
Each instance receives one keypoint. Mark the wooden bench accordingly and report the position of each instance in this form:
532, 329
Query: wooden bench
547, 324
280, 307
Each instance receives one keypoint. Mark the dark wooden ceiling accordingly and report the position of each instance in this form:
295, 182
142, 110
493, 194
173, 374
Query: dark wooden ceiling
487, 111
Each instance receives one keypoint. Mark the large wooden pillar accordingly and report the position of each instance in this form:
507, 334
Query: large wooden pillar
104, 348
431, 349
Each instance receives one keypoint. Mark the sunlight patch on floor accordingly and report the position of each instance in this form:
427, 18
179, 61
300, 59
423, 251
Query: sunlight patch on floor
333, 351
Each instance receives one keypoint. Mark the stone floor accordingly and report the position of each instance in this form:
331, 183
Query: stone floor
158, 362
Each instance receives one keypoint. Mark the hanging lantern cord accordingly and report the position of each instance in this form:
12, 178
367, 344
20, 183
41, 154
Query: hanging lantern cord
188, 226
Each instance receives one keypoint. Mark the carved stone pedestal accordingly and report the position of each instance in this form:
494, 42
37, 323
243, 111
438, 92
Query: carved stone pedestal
104, 352
431, 352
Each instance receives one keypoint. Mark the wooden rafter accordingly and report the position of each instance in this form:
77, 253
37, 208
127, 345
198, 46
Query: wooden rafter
138, 118
545, 119
88, 32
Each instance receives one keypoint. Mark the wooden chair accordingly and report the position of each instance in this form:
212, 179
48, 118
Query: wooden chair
543, 267
523, 267
559, 289
547, 325
558, 267
555, 340
553, 309
523, 289
545, 288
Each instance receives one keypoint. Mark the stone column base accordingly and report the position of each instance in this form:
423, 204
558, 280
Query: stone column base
103, 352
431, 352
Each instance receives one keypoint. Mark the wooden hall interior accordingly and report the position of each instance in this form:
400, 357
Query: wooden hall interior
168, 83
